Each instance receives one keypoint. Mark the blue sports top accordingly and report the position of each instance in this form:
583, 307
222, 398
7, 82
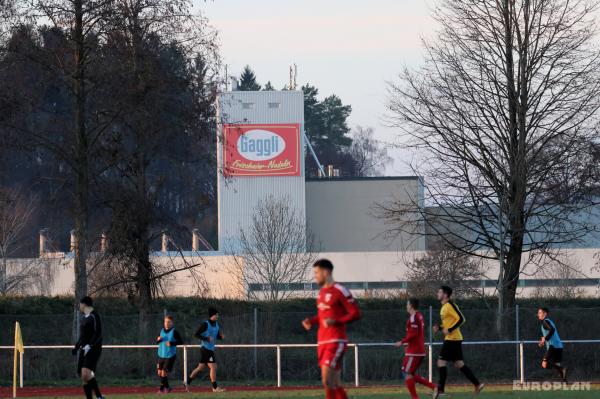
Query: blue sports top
209, 332
551, 334
171, 336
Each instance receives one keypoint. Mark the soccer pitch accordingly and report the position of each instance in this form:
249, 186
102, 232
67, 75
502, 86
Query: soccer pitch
366, 393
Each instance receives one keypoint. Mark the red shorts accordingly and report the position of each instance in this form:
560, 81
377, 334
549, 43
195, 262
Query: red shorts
331, 354
410, 364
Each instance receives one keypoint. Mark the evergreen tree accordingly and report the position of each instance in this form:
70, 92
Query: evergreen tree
325, 124
335, 115
269, 86
248, 80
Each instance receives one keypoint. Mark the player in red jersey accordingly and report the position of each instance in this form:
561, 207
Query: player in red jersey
336, 308
414, 342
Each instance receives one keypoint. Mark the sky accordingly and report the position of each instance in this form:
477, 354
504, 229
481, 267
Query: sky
349, 48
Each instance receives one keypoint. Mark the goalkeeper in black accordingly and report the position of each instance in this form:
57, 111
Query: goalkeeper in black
89, 347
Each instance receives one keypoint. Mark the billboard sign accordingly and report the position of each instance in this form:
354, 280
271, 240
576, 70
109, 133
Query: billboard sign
261, 149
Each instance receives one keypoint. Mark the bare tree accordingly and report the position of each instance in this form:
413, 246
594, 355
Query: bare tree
166, 56
275, 251
560, 270
8, 10
80, 24
16, 210
445, 266
114, 274
370, 156
30, 276
507, 99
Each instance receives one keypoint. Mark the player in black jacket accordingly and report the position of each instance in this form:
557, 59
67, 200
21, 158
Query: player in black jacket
89, 347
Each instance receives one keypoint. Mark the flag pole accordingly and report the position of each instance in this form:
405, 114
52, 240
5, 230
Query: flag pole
15, 361
18, 349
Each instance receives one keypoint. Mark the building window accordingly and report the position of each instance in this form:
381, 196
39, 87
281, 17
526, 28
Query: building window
275, 105
248, 105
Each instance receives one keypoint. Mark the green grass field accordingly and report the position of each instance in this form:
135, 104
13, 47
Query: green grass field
374, 393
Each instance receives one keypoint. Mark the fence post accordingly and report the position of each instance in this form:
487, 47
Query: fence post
430, 324
517, 333
430, 361
21, 369
185, 363
278, 366
255, 342
356, 367
522, 364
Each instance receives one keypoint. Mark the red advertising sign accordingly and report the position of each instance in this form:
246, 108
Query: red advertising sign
261, 150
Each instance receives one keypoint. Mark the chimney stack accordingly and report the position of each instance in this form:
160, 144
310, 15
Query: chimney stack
165, 243
103, 242
195, 240
43, 242
73, 245
234, 83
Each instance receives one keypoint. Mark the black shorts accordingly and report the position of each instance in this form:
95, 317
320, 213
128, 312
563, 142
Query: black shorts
89, 361
207, 356
451, 351
166, 363
553, 355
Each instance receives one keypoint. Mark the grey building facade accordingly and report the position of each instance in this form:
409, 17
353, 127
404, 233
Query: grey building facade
342, 213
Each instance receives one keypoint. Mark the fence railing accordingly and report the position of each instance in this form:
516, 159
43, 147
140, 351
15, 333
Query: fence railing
520, 345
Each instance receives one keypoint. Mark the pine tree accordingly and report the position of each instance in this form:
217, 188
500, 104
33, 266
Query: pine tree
268, 86
248, 80
325, 124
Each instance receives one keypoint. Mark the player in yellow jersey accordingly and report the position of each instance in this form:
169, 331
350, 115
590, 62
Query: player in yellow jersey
452, 319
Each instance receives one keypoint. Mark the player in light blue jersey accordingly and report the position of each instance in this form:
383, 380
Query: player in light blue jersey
167, 340
554, 346
208, 333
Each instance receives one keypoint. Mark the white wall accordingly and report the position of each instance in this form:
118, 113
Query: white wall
218, 270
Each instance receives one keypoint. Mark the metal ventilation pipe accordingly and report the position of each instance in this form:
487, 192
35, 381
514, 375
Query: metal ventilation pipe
195, 240
234, 83
43, 242
73, 245
165, 243
103, 242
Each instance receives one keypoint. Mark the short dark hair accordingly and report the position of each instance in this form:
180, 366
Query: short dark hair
212, 312
169, 317
414, 302
447, 290
86, 300
545, 310
324, 264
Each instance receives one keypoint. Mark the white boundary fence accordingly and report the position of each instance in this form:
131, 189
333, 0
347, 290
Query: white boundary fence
520, 345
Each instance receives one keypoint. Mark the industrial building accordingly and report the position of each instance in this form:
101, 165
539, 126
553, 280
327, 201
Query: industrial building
261, 153
339, 212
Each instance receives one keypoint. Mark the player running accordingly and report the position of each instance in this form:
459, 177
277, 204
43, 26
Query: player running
167, 340
414, 341
452, 320
209, 332
336, 307
554, 346
89, 347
